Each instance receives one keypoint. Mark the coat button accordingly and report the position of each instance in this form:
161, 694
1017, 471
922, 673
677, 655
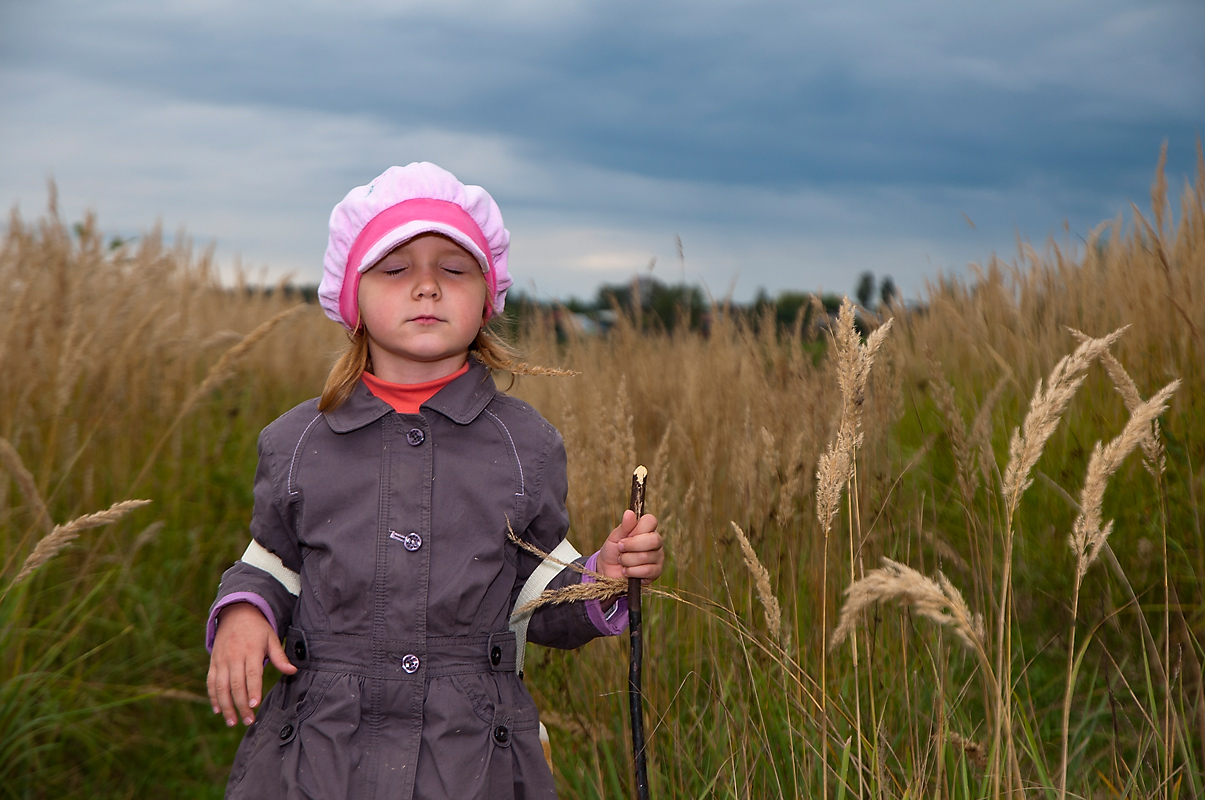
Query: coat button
415, 436
286, 732
299, 650
411, 541
501, 734
410, 663
496, 655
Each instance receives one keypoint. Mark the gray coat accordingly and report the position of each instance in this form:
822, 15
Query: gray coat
391, 529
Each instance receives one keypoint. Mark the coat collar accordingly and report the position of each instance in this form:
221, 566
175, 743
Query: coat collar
460, 401
467, 396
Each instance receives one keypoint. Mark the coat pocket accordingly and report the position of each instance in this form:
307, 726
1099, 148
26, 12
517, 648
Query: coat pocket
303, 704
480, 740
259, 768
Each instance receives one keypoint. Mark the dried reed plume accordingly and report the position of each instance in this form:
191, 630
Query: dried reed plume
523, 368
12, 462
1045, 410
63, 535
973, 750
939, 600
981, 433
1088, 535
540, 554
71, 356
854, 360
964, 456
833, 472
1151, 443
222, 369
835, 468
943, 549
603, 588
761, 577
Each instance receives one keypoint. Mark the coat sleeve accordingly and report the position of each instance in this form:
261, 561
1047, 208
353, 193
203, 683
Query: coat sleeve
267, 575
566, 625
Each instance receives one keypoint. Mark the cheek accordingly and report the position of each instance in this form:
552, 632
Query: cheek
486, 306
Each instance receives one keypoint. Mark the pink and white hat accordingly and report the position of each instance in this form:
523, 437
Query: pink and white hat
398, 205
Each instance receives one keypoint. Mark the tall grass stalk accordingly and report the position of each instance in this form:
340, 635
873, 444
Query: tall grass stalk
836, 472
1046, 408
1089, 535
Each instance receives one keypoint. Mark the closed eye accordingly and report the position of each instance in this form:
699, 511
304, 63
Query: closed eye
457, 266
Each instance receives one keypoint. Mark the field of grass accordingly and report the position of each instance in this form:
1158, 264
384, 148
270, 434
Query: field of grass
891, 571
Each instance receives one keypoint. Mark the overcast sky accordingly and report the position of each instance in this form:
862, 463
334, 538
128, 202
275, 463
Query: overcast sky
789, 144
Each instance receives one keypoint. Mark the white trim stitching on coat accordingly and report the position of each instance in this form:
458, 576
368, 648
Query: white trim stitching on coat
296, 450
514, 450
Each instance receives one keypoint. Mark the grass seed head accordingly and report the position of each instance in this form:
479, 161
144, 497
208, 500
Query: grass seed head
1088, 534
1045, 410
939, 600
62, 535
761, 579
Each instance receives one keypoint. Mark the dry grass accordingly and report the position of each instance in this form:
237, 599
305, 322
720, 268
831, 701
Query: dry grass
12, 462
854, 360
761, 579
1046, 409
62, 535
1088, 534
936, 599
759, 450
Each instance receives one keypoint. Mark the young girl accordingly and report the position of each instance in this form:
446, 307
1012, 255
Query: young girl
379, 548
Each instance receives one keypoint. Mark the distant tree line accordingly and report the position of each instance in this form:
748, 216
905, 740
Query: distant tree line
669, 306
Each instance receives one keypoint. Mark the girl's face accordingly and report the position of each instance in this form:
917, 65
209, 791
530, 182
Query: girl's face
422, 305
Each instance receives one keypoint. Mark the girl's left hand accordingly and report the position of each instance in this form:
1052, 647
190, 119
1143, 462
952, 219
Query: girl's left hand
633, 550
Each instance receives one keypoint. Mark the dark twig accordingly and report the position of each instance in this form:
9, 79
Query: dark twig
637, 652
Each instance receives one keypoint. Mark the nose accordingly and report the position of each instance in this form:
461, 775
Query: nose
427, 285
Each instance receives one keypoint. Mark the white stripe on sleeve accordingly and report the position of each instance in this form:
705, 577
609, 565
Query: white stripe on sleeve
259, 556
537, 583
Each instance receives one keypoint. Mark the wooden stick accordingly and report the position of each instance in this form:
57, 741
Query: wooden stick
635, 662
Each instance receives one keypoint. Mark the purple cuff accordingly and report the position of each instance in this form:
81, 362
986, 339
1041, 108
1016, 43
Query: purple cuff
211, 630
609, 623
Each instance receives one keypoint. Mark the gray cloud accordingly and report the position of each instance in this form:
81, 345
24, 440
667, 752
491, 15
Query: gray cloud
821, 136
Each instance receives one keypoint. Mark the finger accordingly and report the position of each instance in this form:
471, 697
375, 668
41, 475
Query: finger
642, 527
255, 685
630, 560
209, 687
626, 523
221, 687
276, 654
238, 690
641, 542
646, 572
646, 524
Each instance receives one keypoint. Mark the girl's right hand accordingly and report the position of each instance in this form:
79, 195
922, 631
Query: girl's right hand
243, 641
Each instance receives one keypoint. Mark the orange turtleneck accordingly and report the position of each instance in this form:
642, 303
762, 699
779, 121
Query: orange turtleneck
408, 398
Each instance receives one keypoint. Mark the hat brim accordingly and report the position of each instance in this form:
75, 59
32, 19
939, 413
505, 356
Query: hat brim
404, 233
